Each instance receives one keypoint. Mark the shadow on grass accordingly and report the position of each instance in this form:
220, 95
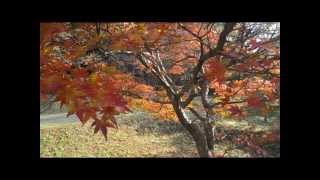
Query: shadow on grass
144, 123
257, 144
160, 127
184, 144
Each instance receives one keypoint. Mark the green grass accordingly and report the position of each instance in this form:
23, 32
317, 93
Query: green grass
139, 135
56, 125
77, 141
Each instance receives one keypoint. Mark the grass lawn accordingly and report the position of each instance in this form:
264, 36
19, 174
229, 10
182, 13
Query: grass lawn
141, 136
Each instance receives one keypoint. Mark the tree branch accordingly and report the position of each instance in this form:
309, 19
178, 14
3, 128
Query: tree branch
232, 102
196, 114
203, 57
189, 99
182, 59
138, 96
207, 31
157, 74
189, 31
222, 39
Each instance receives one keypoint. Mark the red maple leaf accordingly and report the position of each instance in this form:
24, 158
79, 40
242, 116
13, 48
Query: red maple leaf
215, 71
80, 72
235, 111
254, 101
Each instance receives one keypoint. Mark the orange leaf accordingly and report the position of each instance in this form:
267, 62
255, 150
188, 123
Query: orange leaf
177, 69
80, 72
215, 71
254, 101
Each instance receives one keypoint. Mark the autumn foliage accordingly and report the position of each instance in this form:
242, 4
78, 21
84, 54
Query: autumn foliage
81, 64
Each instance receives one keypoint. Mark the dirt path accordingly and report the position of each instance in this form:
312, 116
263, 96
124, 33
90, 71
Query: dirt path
54, 120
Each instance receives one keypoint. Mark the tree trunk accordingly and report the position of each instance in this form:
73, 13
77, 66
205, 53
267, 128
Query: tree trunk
209, 132
208, 128
194, 129
202, 145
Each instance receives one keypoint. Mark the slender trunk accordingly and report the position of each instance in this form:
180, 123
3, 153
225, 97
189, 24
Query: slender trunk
194, 129
209, 132
208, 128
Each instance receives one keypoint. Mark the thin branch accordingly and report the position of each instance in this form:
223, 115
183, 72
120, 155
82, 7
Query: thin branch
98, 28
138, 96
232, 102
182, 59
222, 39
188, 30
196, 114
207, 31
266, 42
177, 42
236, 102
203, 57
200, 29
157, 74
189, 99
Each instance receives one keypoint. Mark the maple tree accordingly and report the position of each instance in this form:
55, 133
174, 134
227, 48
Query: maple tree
99, 70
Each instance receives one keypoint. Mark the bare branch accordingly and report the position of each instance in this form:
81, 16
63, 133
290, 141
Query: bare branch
200, 29
157, 74
189, 99
189, 31
222, 39
236, 102
196, 114
203, 57
138, 96
207, 31
98, 28
232, 102
182, 59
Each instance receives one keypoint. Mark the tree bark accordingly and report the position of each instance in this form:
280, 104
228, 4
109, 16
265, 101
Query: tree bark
209, 132
208, 128
194, 129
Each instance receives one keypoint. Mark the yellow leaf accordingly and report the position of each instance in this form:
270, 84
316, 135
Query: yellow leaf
117, 45
109, 69
93, 77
